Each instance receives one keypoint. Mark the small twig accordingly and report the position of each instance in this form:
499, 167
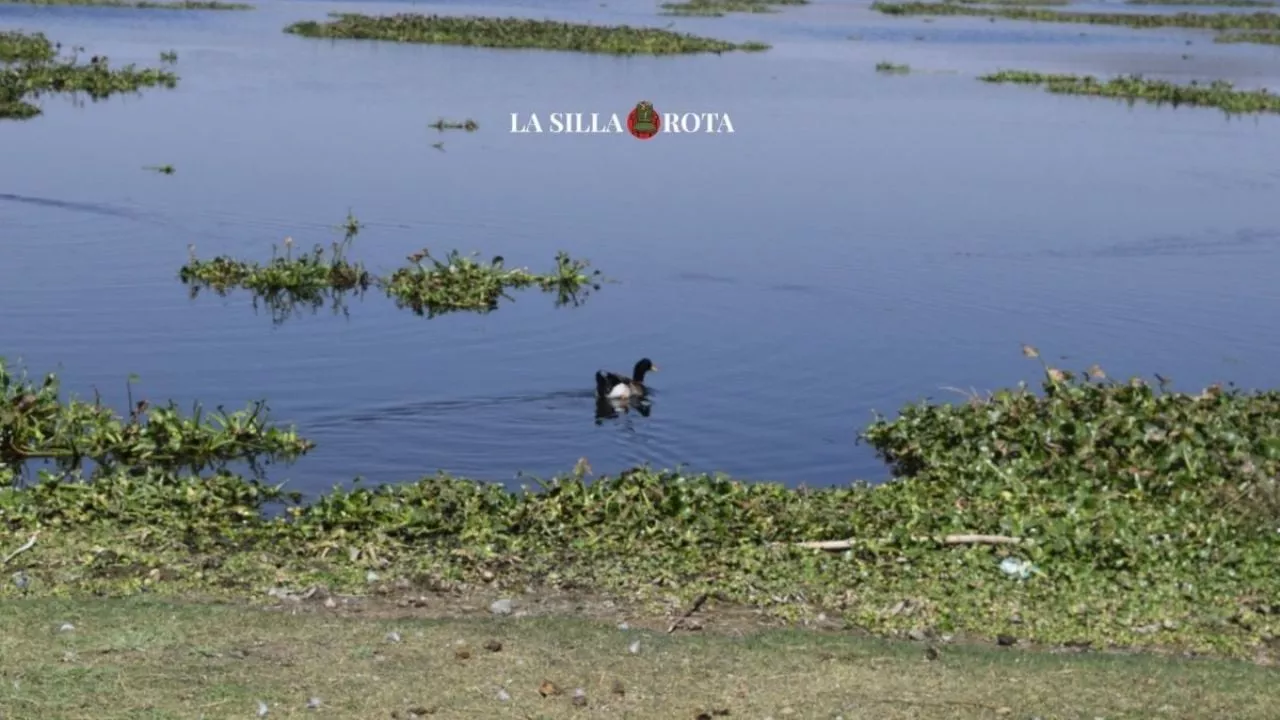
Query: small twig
945, 540
30, 543
697, 603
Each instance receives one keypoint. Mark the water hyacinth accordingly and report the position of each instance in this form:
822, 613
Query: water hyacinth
720, 8
1210, 21
1218, 94
32, 67
139, 4
513, 33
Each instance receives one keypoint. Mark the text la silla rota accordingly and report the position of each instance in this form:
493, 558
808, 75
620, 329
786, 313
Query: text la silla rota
610, 123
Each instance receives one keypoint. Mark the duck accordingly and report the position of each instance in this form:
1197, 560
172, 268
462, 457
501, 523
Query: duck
616, 386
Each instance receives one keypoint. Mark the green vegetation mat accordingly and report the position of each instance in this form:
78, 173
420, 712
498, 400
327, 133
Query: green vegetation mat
514, 33
139, 4
106, 659
720, 8
30, 67
1092, 512
1218, 94
1211, 21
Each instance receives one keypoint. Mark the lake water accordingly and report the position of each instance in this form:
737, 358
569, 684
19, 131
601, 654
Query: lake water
860, 242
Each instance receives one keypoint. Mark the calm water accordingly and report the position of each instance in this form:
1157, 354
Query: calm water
860, 242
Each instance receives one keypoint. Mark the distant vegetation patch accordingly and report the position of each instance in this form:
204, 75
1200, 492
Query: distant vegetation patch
139, 4
429, 286
30, 66
469, 125
1210, 21
1218, 94
720, 8
1262, 38
1220, 3
888, 67
1012, 2
514, 33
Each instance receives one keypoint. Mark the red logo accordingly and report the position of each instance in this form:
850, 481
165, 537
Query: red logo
644, 122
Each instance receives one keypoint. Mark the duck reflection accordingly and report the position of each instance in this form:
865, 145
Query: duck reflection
612, 408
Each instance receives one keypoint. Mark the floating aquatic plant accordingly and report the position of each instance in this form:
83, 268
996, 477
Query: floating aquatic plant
719, 8
428, 286
169, 56
1259, 37
1218, 94
513, 33
888, 67
1219, 3
37, 424
31, 68
1212, 21
162, 169
431, 286
469, 125
139, 4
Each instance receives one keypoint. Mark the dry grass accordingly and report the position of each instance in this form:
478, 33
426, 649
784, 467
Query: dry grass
147, 658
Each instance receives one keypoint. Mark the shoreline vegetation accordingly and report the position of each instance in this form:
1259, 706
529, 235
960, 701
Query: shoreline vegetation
427, 285
514, 33
1217, 94
1222, 22
31, 67
138, 4
1092, 513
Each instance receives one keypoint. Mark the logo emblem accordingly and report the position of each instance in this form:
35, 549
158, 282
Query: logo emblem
644, 122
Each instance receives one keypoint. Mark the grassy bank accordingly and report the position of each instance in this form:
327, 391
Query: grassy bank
1092, 513
514, 33
1209, 21
1218, 94
135, 658
720, 8
31, 66
139, 4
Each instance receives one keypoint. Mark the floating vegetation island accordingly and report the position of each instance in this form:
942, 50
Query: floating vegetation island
1259, 37
428, 286
30, 67
1217, 94
513, 33
720, 8
1208, 21
1087, 511
139, 4
892, 68
1219, 3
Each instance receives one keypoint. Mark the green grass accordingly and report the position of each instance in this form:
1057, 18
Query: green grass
140, 4
1211, 21
150, 658
1261, 38
1148, 515
720, 8
514, 33
1217, 94
31, 67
